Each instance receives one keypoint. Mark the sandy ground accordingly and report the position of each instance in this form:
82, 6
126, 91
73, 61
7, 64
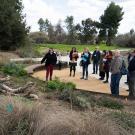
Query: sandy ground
92, 84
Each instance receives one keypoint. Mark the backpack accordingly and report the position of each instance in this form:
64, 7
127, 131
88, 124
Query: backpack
123, 69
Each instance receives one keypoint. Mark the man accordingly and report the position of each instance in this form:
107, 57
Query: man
50, 60
115, 68
96, 59
131, 80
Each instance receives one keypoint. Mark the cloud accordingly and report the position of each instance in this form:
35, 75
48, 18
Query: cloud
80, 9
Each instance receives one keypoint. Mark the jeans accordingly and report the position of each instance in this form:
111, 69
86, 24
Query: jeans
115, 81
95, 67
131, 83
85, 70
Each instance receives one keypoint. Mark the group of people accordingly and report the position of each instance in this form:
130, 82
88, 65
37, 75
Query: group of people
103, 63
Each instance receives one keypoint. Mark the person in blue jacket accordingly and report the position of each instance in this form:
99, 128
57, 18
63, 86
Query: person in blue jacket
85, 60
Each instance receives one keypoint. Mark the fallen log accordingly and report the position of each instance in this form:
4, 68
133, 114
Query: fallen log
21, 91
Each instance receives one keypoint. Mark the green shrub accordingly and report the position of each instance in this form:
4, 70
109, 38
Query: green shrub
109, 103
81, 101
59, 86
124, 119
14, 69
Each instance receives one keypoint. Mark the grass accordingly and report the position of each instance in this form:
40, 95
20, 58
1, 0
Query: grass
126, 120
64, 48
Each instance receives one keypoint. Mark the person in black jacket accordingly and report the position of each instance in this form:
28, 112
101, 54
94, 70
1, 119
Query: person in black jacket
96, 58
50, 60
131, 81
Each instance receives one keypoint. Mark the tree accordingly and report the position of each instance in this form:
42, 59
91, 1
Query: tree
13, 30
60, 34
41, 24
110, 22
71, 29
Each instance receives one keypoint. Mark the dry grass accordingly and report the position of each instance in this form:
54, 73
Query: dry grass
38, 120
6, 56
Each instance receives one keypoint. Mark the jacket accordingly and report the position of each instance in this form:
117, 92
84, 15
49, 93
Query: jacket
86, 59
131, 67
49, 59
116, 65
96, 56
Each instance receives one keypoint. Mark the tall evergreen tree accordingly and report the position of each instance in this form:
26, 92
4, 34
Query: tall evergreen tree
13, 29
110, 22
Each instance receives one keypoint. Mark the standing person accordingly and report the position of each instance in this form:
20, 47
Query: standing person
96, 59
59, 60
107, 62
101, 66
73, 60
115, 69
85, 60
131, 81
50, 60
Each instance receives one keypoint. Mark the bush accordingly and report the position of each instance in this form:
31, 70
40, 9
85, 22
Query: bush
125, 40
109, 103
14, 69
127, 121
59, 86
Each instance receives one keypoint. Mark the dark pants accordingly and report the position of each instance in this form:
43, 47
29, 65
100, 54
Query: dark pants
49, 71
60, 65
107, 75
85, 70
131, 82
72, 68
95, 67
102, 74
115, 81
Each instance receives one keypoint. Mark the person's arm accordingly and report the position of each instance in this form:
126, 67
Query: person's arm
44, 58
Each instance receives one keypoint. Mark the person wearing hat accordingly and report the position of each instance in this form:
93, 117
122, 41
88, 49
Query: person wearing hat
131, 72
96, 58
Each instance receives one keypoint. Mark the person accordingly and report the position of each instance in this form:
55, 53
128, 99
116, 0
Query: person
73, 61
101, 66
59, 60
115, 69
50, 60
131, 81
96, 59
128, 59
107, 62
85, 60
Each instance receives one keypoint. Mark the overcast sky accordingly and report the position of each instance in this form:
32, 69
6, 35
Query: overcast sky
55, 10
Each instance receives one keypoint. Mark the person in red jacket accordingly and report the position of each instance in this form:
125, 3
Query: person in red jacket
50, 60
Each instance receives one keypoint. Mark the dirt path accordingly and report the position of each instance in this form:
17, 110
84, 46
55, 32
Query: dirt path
92, 84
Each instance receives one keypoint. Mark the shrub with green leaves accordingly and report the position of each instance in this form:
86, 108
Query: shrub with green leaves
109, 103
14, 69
126, 120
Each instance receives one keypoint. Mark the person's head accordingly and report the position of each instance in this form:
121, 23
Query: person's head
50, 50
74, 49
133, 53
86, 50
117, 53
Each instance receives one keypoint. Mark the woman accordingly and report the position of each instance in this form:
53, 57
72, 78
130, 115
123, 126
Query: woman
73, 61
107, 62
50, 60
101, 66
85, 60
